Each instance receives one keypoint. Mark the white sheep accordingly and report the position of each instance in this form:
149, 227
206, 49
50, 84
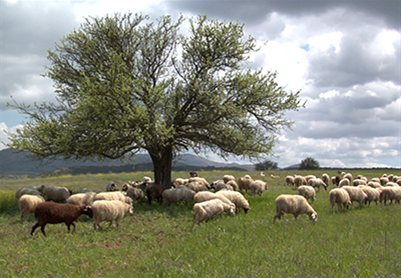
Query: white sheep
199, 180
356, 194
295, 205
244, 182
227, 178
219, 185
27, 204
257, 187
175, 195
326, 178
373, 195
317, 183
299, 180
207, 195
113, 210
340, 197
111, 196
308, 192
357, 182
233, 184
195, 186
390, 193
237, 198
206, 210
289, 180
178, 182
81, 199
348, 176
374, 184
344, 182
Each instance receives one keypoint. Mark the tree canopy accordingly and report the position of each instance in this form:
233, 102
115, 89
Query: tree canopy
125, 83
266, 165
309, 163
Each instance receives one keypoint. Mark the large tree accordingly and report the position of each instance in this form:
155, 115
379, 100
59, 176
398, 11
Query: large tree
124, 84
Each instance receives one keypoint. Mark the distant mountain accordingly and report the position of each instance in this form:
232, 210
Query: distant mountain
23, 163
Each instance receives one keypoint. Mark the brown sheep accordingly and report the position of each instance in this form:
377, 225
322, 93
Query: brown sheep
54, 213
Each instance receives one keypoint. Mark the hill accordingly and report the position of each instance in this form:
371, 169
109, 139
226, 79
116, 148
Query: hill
23, 163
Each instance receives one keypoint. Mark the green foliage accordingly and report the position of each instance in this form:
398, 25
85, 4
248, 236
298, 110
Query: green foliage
125, 84
159, 241
266, 165
309, 163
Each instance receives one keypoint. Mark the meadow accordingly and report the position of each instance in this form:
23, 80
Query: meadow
160, 241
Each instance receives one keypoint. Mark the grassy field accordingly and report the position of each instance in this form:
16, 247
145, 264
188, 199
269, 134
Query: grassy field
160, 242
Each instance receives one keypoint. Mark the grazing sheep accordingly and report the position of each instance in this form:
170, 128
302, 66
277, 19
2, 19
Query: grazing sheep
54, 213
109, 196
373, 195
326, 178
147, 179
136, 194
81, 199
390, 193
289, 180
199, 180
309, 177
335, 180
206, 210
295, 205
233, 184
348, 176
197, 186
257, 187
308, 192
111, 187
227, 178
374, 184
244, 182
356, 194
27, 204
344, 182
114, 210
27, 191
340, 197
180, 182
390, 183
219, 185
357, 182
175, 195
384, 180
375, 180
153, 191
207, 195
235, 197
299, 180
54, 193
317, 183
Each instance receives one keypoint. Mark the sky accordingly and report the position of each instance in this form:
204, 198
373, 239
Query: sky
344, 57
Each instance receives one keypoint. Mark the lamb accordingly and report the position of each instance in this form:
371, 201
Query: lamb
245, 182
114, 210
81, 199
373, 195
308, 192
28, 203
227, 178
27, 191
54, 213
235, 197
340, 197
206, 210
54, 193
207, 195
175, 195
109, 196
257, 187
295, 205
289, 180
356, 194
317, 183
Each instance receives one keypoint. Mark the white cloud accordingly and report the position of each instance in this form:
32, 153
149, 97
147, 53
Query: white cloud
5, 131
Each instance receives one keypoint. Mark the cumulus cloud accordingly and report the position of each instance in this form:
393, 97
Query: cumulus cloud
5, 131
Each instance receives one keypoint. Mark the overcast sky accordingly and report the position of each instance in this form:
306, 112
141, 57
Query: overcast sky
344, 56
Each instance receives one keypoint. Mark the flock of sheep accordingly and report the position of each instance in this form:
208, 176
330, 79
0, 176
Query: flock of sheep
52, 204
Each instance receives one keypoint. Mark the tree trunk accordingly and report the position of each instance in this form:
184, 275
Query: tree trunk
162, 164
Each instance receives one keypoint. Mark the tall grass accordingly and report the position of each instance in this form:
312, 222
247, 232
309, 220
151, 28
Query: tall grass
160, 241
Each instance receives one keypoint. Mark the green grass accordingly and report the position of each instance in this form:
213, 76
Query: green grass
161, 242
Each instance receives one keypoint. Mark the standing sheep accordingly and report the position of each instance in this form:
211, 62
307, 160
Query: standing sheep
27, 191
295, 205
300, 180
54, 213
356, 194
227, 178
110, 196
175, 195
206, 210
237, 198
257, 187
289, 180
54, 193
308, 192
81, 199
340, 197
28, 203
207, 195
104, 210
244, 183
317, 183
373, 195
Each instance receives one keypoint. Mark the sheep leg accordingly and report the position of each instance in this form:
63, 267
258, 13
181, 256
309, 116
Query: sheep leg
34, 228
42, 228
